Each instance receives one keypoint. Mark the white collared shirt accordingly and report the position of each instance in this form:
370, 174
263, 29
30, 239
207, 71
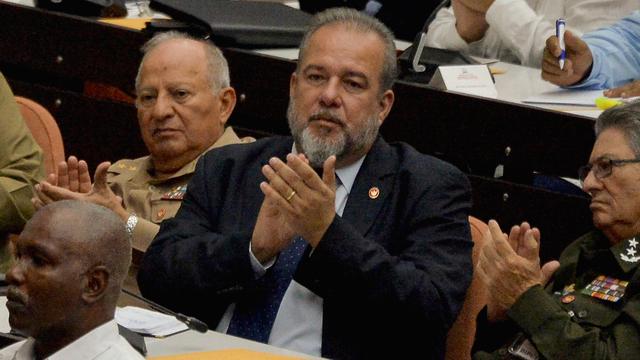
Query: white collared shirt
298, 323
518, 29
101, 343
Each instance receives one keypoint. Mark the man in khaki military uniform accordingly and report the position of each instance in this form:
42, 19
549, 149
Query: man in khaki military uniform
21, 167
183, 101
591, 308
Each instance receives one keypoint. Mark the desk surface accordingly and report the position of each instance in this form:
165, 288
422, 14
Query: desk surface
513, 82
191, 341
519, 82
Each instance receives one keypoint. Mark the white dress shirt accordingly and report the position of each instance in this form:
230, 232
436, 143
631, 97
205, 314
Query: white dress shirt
298, 323
518, 29
101, 343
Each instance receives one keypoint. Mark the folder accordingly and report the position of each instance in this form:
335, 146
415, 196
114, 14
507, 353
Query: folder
254, 24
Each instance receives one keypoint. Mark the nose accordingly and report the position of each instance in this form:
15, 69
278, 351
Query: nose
591, 184
163, 107
330, 96
15, 274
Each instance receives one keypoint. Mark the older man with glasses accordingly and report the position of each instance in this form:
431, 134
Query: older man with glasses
591, 307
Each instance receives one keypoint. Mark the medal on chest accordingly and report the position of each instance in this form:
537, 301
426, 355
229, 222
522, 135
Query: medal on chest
606, 288
177, 193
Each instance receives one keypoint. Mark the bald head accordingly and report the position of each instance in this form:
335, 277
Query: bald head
92, 234
70, 262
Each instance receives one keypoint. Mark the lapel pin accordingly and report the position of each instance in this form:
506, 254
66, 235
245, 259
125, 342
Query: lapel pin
161, 213
374, 192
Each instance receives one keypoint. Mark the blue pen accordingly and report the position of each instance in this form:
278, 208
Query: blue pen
560, 25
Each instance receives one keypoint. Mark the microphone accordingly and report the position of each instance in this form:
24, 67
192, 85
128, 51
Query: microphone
191, 322
421, 38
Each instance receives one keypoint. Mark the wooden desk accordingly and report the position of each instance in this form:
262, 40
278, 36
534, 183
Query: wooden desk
49, 57
191, 341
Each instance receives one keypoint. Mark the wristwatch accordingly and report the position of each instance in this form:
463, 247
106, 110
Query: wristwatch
132, 221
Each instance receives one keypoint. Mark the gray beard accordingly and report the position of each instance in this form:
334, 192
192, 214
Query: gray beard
318, 148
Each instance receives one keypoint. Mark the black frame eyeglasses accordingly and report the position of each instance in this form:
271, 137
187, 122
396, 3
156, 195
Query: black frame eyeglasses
602, 168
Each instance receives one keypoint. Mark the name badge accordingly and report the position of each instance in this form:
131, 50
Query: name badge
468, 79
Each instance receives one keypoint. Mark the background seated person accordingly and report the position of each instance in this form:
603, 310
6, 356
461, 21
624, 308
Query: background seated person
369, 256
591, 308
515, 30
606, 58
71, 260
404, 17
20, 168
183, 101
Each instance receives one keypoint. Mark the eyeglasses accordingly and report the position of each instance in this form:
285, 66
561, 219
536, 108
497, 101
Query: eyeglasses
602, 168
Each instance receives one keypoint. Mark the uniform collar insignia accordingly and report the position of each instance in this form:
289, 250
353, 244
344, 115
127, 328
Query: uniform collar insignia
631, 252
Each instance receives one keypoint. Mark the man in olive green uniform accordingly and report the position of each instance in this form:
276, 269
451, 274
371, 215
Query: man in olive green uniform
20, 168
591, 308
150, 198
183, 101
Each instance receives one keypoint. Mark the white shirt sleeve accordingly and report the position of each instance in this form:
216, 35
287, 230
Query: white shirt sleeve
521, 29
525, 31
442, 32
518, 29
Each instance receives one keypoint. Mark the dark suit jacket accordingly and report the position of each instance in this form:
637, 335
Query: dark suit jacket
392, 271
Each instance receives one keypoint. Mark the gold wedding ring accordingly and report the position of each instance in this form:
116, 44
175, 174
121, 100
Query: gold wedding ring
288, 198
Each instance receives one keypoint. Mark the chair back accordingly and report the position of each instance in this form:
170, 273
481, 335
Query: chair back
462, 333
44, 130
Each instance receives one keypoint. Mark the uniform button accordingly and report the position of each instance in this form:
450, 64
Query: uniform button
583, 314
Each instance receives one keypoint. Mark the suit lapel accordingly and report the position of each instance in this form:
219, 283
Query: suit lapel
362, 205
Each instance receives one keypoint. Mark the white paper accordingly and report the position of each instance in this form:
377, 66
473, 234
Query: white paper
468, 79
4, 316
148, 322
566, 97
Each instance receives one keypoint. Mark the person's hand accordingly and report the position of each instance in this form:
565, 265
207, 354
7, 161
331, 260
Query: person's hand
271, 233
305, 200
625, 91
100, 193
577, 63
470, 24
478, 5
517, 236
509, 272
73, 175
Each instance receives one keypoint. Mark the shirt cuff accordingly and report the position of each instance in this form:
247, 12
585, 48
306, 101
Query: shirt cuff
258, 269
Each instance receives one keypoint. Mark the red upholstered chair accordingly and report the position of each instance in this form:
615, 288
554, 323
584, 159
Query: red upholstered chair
461, 335
44, 130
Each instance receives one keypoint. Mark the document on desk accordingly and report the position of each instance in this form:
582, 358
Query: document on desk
227, 354
566, 97
148, 322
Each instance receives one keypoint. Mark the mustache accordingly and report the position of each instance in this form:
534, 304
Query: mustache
327, 116
13, 294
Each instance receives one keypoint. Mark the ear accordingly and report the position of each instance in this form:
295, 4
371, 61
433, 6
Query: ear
293, 82
97, 282
227, 97
386, 103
